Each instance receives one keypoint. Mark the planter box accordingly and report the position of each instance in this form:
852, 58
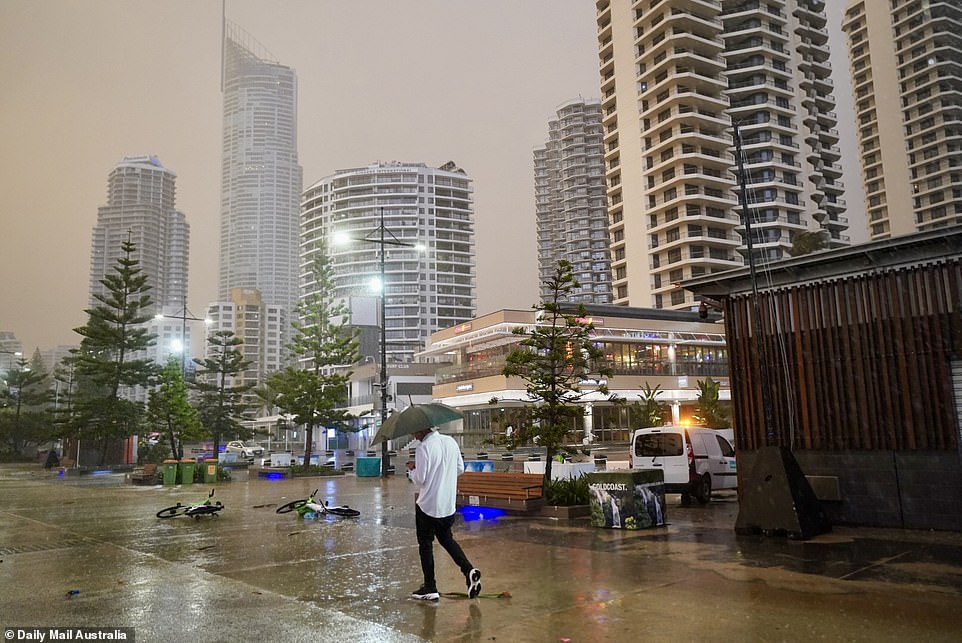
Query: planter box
571, 512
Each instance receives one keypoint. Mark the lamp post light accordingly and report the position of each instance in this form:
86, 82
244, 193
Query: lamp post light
383, 238
183, 317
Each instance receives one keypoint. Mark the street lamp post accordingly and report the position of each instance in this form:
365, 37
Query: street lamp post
382, 241
183, 317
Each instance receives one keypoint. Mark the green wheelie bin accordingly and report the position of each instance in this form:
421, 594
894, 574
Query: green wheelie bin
210, 470
170, 472
187, 471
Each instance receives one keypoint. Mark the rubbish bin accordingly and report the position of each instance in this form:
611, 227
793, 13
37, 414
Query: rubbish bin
187, 471
601, 462
627, 499
170, 472
210, 470
367, 467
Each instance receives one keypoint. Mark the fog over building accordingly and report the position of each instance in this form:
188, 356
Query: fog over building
140, 207
261, 178
260, 184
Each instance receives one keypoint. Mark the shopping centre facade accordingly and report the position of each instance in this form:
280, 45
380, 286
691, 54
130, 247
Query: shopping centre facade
644, 348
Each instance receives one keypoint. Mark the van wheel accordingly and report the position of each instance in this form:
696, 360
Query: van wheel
702, 490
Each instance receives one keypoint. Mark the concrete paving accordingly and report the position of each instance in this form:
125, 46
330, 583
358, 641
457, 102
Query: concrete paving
251, 574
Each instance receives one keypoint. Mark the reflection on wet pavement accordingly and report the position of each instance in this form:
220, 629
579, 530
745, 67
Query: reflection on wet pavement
250, 572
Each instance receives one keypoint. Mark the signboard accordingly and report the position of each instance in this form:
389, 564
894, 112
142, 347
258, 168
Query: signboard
627, 499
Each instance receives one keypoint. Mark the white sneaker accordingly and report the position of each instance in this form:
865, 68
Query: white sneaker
473, 579
424, 594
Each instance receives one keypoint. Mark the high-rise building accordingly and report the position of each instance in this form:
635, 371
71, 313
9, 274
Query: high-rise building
570, 203
11, 350
258, 324
260, 177
430, 280
906, 64
675, 75
140, 207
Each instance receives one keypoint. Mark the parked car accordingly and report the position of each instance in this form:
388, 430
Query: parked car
245, 450
694, 460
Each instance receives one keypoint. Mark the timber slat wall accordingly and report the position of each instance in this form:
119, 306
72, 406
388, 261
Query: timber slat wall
856, 363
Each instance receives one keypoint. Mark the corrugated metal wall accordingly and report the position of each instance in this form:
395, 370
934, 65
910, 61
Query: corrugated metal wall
850, 364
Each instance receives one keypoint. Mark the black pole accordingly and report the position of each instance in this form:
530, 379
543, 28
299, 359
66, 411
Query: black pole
385, 458
759, 344
183, 342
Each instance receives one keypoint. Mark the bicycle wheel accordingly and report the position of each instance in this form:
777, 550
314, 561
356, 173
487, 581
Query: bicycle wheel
291, 506
344, 511
170, 512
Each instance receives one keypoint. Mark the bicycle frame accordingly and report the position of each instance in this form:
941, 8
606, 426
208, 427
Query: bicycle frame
308, 505
207, 507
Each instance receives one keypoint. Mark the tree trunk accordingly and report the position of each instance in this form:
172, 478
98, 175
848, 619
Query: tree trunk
308, 439
549, 456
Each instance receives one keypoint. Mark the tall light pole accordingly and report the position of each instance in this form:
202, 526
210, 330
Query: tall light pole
183, 317
383, 239
757, 317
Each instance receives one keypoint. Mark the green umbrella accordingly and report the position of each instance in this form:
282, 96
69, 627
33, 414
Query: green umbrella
417, 417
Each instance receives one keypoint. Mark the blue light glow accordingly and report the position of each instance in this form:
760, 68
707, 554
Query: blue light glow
472, 513
273, 475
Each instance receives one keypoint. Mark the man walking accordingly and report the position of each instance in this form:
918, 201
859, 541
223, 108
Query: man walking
436, 467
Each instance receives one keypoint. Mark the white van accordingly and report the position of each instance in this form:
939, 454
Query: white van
693, 460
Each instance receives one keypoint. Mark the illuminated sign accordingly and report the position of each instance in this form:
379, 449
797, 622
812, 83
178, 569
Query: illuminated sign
460, 388
463, 328
590, 320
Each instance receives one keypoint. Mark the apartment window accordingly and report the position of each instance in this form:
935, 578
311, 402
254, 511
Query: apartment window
677, 297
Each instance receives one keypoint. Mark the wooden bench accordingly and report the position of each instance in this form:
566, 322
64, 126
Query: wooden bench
144, 475
512, 491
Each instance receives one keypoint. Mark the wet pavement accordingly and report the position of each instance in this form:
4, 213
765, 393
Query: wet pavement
252, 574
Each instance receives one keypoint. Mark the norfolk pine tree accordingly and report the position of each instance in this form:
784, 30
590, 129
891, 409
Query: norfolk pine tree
25, 416
554, 357
317, 393
104, 368
221, 405
169, 411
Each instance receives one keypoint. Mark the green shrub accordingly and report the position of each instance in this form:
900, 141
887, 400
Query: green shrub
568, 492
313, 470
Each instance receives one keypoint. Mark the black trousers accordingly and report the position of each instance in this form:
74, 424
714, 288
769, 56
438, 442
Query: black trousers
429, 528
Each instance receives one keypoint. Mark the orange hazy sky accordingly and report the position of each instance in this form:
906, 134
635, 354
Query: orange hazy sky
86, 82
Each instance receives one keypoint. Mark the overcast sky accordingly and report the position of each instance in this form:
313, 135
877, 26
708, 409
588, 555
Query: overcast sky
86, 82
